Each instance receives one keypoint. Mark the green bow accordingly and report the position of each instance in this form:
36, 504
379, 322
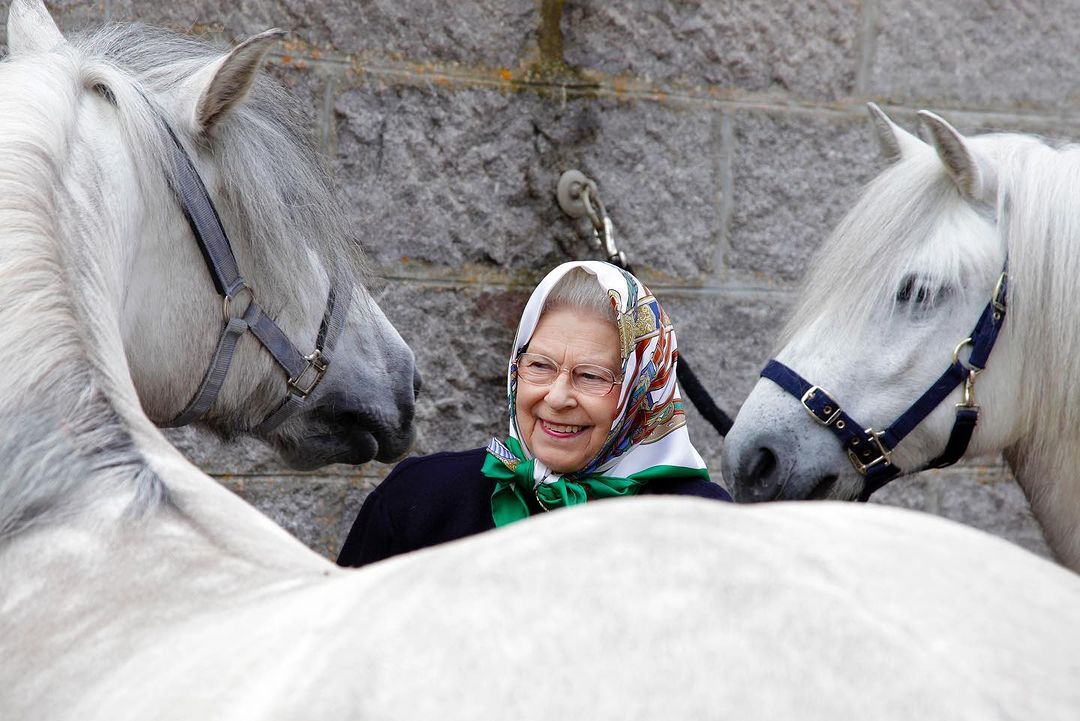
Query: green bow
514, 484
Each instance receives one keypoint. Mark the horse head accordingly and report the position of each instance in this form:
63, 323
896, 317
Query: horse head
110, 102
887, 305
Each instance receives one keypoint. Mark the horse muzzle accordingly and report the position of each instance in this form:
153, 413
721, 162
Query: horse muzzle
774, 453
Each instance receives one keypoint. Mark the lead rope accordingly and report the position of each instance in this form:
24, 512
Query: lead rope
579, 197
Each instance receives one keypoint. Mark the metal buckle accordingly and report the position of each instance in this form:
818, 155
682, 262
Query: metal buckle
969, 391
956, 352
315, 362
810, 394
885, 457
997, 299
228, 299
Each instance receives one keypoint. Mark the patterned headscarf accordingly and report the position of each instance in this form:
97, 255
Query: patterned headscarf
648, 438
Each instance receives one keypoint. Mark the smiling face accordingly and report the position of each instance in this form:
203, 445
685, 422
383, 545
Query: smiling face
562, 426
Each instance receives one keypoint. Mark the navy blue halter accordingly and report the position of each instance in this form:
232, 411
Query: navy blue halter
869, 450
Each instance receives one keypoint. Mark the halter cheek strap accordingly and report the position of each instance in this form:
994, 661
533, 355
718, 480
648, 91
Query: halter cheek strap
303, 371
870, 451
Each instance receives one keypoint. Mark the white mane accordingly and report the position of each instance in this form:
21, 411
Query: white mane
272, 190
887, 237
1043, 230
59, 447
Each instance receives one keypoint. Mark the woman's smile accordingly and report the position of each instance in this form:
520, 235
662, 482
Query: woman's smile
562, 430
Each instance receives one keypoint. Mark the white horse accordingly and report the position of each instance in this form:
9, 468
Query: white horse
899, 284
132, 586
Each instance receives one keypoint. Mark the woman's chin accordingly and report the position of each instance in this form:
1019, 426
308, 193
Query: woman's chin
560, 462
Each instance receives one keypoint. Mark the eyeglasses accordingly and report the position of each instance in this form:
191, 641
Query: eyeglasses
539, 370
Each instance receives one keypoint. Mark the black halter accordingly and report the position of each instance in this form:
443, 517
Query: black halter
869, 450
302, 371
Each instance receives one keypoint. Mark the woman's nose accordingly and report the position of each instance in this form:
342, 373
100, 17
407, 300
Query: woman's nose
561, 391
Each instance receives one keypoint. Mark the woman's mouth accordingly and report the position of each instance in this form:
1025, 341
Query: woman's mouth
561, 430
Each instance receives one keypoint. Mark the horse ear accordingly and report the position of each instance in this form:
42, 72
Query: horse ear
224, 83
30, 28
895, 142
975, 178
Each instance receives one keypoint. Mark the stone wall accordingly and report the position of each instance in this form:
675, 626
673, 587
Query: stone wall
728, 138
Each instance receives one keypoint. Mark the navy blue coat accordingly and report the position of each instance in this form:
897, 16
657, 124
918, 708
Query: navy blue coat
442, 497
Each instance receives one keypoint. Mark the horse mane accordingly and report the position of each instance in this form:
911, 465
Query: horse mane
54, 453
63, 444
1042, 186
276, 191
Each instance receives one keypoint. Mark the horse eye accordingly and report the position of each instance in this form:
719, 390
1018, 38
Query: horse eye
918, 293
904, 294
913, 289
106, 93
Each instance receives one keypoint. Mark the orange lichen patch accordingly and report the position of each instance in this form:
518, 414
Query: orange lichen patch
506, 75
286, 59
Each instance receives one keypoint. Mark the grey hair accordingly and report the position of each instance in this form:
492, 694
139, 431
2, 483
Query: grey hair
580, 290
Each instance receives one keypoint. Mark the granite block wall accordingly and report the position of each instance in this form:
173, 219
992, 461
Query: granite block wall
728, 138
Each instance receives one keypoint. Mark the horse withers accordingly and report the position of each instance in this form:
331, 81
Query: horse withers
957, 238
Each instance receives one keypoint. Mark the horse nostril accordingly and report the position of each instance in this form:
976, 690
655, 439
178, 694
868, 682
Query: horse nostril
761, 465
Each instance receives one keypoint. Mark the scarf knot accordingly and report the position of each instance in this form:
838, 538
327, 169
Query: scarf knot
515, 482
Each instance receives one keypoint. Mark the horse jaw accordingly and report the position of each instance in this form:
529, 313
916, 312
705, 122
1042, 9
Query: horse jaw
30, 28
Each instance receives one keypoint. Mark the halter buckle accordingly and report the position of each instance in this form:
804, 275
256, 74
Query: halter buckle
304, 382
830, 414
884, 457
998, 297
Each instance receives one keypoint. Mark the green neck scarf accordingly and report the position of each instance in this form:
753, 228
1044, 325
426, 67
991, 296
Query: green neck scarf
514, 485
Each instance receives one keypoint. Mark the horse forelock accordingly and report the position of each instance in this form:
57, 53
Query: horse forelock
879, 243
276, 192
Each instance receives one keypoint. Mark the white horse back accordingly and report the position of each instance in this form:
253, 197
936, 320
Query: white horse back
805, 612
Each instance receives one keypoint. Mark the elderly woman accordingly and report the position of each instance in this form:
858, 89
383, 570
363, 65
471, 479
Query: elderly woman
594, 413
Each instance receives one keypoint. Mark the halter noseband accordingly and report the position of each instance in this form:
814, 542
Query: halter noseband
870, 451
303, 371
